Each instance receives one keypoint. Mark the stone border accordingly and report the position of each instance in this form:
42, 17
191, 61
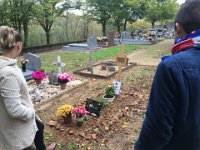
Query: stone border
50, 101
79, 72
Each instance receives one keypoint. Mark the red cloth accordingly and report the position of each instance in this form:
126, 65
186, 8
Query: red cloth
184, 45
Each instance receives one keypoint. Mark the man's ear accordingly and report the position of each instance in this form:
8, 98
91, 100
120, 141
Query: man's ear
179, 31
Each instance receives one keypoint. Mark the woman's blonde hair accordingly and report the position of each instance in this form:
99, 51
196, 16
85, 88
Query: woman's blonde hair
8, 38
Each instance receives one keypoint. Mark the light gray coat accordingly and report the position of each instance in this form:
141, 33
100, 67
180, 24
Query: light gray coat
17, 116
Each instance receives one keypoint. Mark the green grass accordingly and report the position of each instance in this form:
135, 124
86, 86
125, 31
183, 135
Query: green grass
77, 60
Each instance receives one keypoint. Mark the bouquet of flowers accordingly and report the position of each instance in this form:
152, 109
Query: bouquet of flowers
64, 111
79, 111
64, 78
110, 91
38, 75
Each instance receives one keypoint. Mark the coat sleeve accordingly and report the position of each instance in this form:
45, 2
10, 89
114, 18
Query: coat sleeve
10, 93
157, 127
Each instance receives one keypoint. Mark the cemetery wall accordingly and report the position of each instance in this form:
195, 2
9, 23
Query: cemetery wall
48, 47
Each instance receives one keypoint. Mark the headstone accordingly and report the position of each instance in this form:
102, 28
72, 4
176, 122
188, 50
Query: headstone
111, 37
92, 44
93, 107
34, 62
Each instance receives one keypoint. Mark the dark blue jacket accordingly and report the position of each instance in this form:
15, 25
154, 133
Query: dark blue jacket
172, 119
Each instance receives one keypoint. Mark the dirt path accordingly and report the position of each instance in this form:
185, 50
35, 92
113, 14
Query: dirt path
150, 55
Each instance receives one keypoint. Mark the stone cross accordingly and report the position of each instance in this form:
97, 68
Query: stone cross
59, 64
120, 63
92, 44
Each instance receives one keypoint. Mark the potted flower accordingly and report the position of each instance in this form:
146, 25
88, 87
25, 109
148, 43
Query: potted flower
80, 113
109, 93
63, 79
64, 112
38, 76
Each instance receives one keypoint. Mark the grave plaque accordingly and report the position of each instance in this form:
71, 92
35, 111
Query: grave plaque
111, 37
93, 107
117, 86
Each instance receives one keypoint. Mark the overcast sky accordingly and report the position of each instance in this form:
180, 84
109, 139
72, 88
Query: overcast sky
79, 12
180, 1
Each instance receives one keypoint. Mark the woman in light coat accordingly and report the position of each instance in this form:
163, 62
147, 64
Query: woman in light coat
18, 128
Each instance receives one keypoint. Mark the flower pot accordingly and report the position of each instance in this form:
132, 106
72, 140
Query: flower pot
68, 119
38, 82
109, 99
63, 86
79, 121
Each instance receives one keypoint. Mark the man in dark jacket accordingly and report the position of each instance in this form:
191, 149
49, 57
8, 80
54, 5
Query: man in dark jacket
172, 119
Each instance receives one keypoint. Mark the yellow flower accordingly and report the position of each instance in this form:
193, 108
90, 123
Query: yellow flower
64, 110
109, 86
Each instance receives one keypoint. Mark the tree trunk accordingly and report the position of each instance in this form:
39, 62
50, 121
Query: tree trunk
87, 29
19, 24
84, 30
48, 36
153, 24
104, 28
125, 24
25, 27
118, 27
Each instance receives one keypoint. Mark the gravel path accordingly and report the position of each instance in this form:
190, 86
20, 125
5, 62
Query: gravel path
150, 54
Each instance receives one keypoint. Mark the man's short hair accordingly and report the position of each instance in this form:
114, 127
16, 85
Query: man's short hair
189, 16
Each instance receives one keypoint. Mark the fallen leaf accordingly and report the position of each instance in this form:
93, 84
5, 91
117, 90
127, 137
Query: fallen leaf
82, 134
94, 137
52, 123
107, 128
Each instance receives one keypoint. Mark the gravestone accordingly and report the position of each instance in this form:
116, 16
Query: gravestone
92, 44
93, 107
33, 64
111, 37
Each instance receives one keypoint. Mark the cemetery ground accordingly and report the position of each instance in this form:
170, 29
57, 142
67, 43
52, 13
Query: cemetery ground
119, 123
